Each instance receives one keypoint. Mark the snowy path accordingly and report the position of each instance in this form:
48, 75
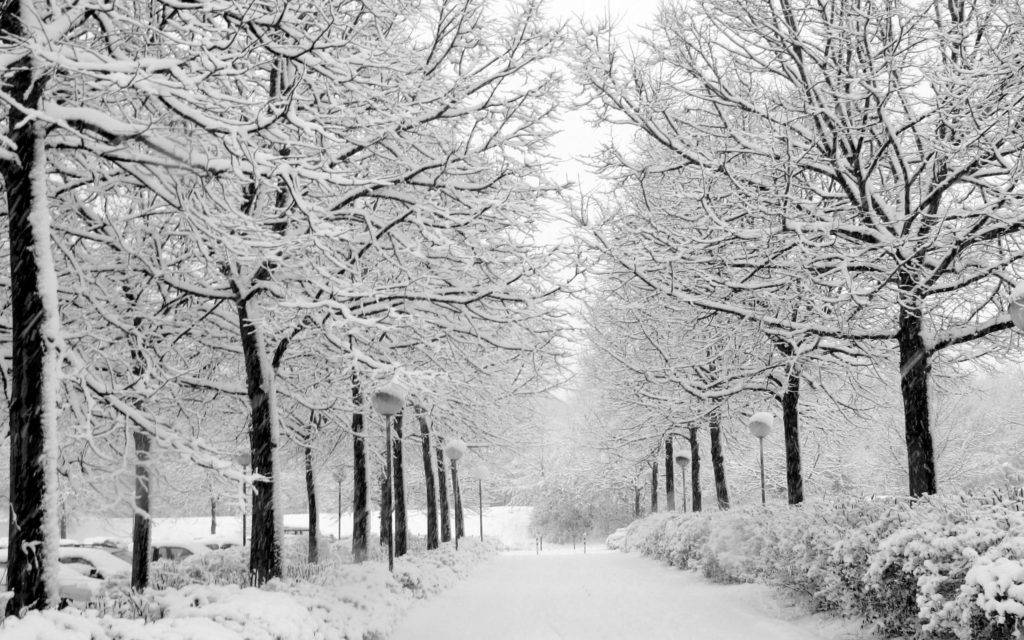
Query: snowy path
605, 595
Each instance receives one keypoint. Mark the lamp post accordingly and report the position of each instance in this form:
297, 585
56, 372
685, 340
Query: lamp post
388, 401
478, 474
455, 449
760, 425
245, 461
683, 460
339, 476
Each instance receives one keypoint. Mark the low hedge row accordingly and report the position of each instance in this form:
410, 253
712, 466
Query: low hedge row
936, 568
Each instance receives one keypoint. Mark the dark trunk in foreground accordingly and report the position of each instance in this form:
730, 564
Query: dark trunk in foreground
914, 371
791, 431
442, 495
670, 477
654, 487
265, 541
313, 554
360, 492
33, 531
386, 513
141, 523
718, 461
401, 521
695, 470
460, 526
428, 480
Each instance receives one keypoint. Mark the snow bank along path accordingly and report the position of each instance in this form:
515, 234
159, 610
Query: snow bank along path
608, 595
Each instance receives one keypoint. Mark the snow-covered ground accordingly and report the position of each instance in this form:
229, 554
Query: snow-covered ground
609, 595
334, 601
509, 525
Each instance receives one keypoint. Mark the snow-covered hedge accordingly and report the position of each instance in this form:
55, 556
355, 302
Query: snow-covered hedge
339, 601
938, 568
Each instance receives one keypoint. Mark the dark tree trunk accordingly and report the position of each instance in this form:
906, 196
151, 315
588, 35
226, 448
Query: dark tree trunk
386, 514
460, 526
791, 429
313, 554
670, 477
360, 492
718, 461
265, 541
636, 502
213, 516
914, 371
695, 471
33, 530
63, 524
428, 479
141, 523
401, 519
442, 496
654, 487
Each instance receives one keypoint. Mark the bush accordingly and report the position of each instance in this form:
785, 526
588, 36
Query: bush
937, 568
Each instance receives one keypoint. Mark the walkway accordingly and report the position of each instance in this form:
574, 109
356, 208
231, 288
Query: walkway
606, 595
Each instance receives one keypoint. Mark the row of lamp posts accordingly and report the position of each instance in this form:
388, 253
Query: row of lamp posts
389, 401
759, 425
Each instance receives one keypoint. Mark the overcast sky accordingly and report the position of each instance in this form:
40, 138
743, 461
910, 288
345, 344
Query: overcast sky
576, 138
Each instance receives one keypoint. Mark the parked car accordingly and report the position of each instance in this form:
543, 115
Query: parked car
177, 550
94, 563
72, 586
118, 547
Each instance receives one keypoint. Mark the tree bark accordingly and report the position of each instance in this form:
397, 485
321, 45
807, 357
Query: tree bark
213, 516
670, 477
33, 529
360, 492
313, 551
695, 490
636, 502
717, 460
914, 371
401, 519
442, 495
141, 521
654, 487
386, 508
791, 430
460, 526
428, 480
265, 541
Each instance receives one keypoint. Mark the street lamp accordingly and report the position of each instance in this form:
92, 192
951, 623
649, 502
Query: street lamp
455, 449
388, 401
244, 460
1017, 306
760, 426
339, 476
683, 460
478, 474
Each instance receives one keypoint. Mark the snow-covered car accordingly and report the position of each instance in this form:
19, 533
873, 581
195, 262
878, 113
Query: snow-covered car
77, 588
73, 587
94, 563
214, 543
178, 550
117, 547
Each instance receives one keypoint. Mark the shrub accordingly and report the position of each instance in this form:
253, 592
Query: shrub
937, 568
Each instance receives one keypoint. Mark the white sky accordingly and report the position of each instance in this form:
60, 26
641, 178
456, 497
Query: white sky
577, 138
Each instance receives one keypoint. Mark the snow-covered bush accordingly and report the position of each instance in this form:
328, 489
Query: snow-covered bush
940, 567
343, 601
